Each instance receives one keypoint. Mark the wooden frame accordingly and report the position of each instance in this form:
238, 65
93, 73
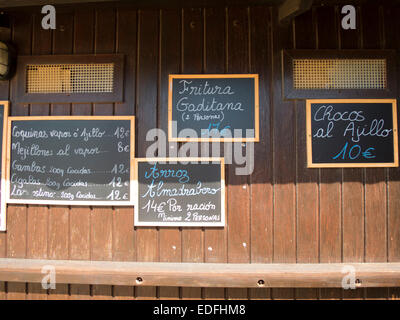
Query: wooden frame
310, 164
177, 224
215, 76
73, 203
289, 92
3, 205
117, 96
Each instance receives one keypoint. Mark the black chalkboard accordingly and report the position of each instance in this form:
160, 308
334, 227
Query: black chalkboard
3, 140
213, 107
172, 193
352, 133
71, 160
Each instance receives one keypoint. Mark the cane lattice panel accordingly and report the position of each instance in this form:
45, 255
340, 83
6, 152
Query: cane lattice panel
339, 74
70, 78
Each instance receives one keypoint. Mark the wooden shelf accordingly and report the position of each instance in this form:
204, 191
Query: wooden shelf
201, 274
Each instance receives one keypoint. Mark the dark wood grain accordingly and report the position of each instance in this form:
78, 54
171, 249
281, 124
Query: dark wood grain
147, 239
330, 186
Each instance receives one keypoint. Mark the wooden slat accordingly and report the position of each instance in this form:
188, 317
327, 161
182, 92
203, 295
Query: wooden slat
38, 216
375, 179
192, 62
215, 239
330, 247
147, 239
58, 237
101, 232
4, 95
123, 230
284, 248
261, 179
170, 249
79, 219
106, 273
307, 220
353, 189
17, 214
238, 193
392, 23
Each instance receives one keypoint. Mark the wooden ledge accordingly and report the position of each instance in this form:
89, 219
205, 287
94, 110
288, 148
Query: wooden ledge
201, 274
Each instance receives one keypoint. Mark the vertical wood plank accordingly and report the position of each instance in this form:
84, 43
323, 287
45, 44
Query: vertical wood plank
4, 95
215, 239
261, 178
192, 62
375, 178
101, 232
38, 215
238, 193
169, 58
58, 237
79, 219
307, 179
284, 247
147, 239
353, 189
330, 179
17, 214
392, 25
123, 230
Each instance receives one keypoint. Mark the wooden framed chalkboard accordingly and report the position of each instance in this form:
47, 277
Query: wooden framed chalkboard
213, 106
352, 133
4, 105
71, 160
180, 192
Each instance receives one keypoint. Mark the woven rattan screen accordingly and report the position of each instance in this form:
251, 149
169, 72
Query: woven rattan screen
339, 74
70, 78
309, 74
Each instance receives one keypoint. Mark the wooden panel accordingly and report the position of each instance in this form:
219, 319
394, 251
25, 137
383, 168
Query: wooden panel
58, 241
307, 179
215, 240
238, 193
352, 191
261, 190
123, 230
330, 250
17, 214
38, 215
284, 250
192, 62
147, 239
392, 23
80, 217
4, 95
375, 179
101, 232
169, 59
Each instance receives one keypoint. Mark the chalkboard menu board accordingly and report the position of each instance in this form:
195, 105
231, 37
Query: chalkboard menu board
180, 192
213, 107
3, 144
352, 133
71, 160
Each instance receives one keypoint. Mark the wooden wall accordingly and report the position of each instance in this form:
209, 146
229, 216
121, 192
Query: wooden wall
283, 212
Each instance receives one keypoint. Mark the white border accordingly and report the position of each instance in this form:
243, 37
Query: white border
69, 202
181, 224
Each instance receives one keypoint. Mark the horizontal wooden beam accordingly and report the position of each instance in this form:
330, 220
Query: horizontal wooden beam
201, 274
